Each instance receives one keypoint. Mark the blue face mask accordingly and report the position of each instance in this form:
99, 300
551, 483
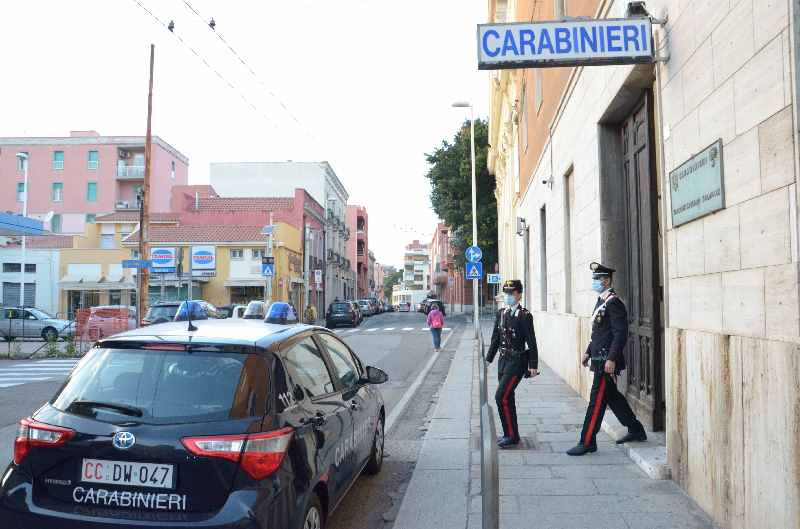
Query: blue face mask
510, 300
597, 285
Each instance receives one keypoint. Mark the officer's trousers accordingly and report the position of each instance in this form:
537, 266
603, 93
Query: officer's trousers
604, 391
510, 372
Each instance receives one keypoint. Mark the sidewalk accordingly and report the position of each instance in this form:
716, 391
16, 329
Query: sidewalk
540, 486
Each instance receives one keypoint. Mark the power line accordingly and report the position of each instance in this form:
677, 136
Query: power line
249, 69
207, 64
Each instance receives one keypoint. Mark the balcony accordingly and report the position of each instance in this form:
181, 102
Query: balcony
126, 205
130, 172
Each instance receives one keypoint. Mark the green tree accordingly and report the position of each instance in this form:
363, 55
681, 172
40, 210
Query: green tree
450, 175
389, 281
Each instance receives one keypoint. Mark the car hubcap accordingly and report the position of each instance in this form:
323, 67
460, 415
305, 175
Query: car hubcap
379, 441
312, 519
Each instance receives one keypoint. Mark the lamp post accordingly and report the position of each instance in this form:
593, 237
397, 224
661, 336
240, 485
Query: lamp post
475, 282
23, 158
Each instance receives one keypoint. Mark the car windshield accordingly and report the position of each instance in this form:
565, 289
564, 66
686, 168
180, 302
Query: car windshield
162, 311
168, 387
40, 314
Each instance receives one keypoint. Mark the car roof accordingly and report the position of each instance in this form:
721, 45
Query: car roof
228, 331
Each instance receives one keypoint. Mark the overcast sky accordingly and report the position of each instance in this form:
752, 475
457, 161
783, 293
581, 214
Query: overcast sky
369, 81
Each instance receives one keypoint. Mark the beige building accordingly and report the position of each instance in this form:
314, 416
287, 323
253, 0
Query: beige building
714, 328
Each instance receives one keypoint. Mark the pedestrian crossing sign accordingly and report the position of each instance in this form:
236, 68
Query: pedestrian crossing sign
267, 270
474, 270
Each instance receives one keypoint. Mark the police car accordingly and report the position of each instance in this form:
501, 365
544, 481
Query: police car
235, 424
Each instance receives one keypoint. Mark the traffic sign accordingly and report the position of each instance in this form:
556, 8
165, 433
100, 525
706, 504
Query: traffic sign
473, 254
136, 263
267, 259
267, 230
493, 279
267, 270
474, 270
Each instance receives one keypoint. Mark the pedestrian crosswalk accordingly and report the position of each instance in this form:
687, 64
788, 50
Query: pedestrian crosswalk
386, 329
17, 374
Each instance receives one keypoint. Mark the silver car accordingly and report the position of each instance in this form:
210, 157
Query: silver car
33, 323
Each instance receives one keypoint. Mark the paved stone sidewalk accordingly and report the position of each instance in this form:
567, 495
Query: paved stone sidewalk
542, 487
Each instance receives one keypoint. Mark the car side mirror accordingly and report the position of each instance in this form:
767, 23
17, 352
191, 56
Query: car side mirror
376, 376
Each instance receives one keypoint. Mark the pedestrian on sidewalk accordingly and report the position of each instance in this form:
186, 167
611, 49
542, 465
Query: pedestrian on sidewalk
436, 323
514, 338
605, 359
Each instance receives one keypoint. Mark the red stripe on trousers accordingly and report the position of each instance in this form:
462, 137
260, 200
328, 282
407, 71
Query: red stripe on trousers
506, 409
598, 401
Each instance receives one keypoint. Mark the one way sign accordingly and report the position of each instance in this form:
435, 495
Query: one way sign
474, 270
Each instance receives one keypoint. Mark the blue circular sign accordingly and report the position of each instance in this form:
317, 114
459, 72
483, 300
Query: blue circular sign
473, 254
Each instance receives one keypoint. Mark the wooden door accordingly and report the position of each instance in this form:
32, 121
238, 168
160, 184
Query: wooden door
644, 353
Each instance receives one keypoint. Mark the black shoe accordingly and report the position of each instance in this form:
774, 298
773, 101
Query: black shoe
505, 442
581, 449
633, 437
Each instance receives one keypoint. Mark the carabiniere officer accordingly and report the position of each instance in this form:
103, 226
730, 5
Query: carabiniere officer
604, 356
514, 338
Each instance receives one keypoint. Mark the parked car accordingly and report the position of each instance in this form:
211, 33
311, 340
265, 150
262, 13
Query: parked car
366, 308
234, 312
107, 320
341, 312
404, 306
218, 427
357, 308
33, 323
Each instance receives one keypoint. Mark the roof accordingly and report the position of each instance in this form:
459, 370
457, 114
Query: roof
228, 331
201, 234
122, 141
232, 204
43, 242
133, 217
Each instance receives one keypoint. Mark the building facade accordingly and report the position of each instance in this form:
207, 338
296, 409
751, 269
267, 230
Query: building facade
85, 175
448, 281
358, 248
714, 328
41, 272
274, 179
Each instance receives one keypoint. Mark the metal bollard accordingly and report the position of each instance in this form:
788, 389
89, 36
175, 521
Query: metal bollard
490, 482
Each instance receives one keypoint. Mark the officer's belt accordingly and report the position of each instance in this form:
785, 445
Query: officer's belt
512, 353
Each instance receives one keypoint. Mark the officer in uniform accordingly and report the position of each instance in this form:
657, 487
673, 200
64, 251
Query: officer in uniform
513, 337
605, 358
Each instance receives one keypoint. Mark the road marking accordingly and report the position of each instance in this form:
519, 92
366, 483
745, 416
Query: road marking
389, 329
353, 330
403, 402
408, 328
50, 369
11, 385
373, 330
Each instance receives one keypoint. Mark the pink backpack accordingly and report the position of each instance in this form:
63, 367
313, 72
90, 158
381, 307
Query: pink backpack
437, 322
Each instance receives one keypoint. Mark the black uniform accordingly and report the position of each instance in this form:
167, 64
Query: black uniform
609, 334
514, 338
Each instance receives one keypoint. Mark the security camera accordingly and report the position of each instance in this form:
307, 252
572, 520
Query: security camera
545, 181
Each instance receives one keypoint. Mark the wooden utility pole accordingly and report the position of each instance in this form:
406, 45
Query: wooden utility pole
144, 216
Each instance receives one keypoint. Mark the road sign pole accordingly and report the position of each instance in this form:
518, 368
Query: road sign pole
476, 313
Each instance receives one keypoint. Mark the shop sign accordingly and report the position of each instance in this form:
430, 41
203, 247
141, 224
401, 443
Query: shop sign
163, 260
696, 186
204, 260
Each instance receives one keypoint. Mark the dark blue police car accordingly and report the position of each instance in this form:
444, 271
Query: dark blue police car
236, 424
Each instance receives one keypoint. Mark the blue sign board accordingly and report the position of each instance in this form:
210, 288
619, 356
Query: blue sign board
493, 279
267, 270
473, 254
474, 270
565, 43
163, 260
136, 263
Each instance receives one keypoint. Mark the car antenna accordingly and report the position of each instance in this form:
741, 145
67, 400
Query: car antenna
189, 317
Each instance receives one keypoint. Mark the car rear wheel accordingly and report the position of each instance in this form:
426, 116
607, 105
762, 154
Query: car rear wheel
313, 518
376, 456
49, 334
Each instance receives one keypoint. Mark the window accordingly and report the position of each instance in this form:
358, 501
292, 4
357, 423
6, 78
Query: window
11, 294
11, 268
55, 223
307, 369
58, 191
90, 218
107, 241
58, 160
115, 297
91, 191
258, 253
347, 369
237, 253
172, 169
20, 191
92, 160
537, 77
21, 163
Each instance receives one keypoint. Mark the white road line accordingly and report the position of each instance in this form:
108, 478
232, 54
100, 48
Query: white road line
11, 385
18, 379
403, 403
373, 330
389, 329
408, 328
425, 329
353, 330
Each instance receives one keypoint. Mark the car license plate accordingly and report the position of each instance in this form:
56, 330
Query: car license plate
128, 473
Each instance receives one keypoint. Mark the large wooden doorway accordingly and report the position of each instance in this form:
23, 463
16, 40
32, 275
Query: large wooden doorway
644, 352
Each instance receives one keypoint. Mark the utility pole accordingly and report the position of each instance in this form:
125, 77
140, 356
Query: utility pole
144, 211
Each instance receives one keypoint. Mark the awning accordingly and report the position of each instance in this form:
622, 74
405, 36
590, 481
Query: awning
245, 282
72, 282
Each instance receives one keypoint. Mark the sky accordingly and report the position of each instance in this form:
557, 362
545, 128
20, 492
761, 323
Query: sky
365, 84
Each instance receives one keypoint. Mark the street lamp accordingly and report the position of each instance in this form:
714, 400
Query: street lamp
23, 159
475, 288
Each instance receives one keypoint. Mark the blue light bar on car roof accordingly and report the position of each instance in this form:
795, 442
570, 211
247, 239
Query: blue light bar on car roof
281, 313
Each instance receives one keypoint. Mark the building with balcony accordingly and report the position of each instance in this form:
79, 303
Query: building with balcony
416, 282
447, 278
85, 175
358, 248
279, 179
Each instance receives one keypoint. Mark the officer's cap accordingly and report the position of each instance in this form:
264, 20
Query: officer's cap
600, 271
511, 285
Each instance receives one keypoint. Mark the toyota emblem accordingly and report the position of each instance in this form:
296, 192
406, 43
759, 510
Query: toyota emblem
123, 440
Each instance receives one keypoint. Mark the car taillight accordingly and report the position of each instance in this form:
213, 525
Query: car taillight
259, 454
33, 434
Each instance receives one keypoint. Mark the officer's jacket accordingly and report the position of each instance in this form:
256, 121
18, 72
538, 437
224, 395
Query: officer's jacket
514, 330
609, 331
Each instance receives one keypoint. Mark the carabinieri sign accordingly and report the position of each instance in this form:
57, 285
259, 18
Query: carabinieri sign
579, 42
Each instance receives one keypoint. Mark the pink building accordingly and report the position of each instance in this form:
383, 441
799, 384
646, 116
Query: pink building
85, 175
358, 248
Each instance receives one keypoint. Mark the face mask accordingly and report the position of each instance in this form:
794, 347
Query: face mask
510, 300
597, 285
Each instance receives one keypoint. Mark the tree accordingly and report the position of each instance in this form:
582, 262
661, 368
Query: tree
389, 281
450, 175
